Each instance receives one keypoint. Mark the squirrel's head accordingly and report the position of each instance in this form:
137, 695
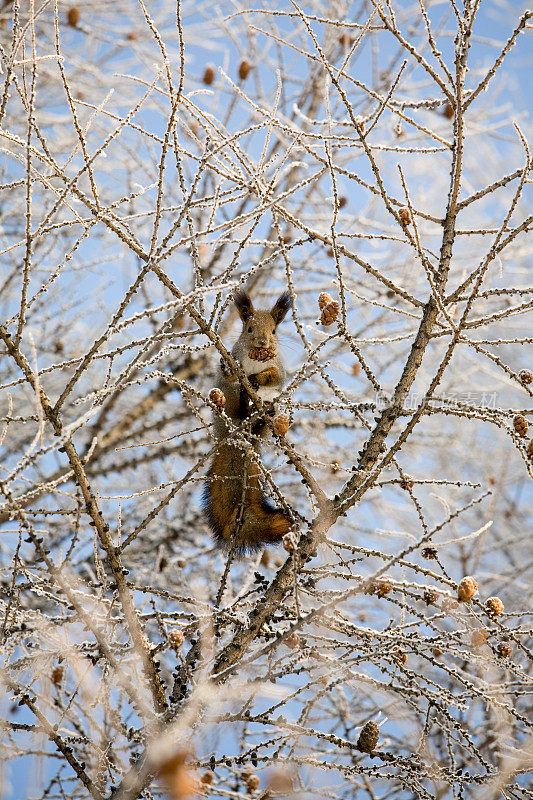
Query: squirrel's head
259, 327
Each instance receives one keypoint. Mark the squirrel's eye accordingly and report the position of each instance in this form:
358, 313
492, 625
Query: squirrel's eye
250, 328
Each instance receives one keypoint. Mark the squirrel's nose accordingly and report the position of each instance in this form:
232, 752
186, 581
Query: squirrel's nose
263, 341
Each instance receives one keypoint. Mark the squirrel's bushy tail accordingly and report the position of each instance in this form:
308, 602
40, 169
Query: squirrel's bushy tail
236, 508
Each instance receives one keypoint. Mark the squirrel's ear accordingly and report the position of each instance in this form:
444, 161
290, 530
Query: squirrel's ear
244, 304
281, 306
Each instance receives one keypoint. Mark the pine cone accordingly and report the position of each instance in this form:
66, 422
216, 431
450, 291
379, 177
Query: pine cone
430, 597
261, 353
405, 216
57, 675
324, 299
399, 655
292, 640
176, 638
209, 75
368, 738
448, 111
494, 606
530, 450
526, 376
504, 649
176, 773
466, 589
346, 40
379, 587
520, 425
429, 552
329, 313
252, 782
281, 424
383, 587
73, 16
290, 542
218, 398
244, 69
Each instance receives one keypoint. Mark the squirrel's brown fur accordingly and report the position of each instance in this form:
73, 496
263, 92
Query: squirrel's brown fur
238, 512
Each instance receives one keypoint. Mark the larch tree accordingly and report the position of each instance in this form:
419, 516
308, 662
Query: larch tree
370, 157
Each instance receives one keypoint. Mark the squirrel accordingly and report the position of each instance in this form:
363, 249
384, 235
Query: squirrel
240, 515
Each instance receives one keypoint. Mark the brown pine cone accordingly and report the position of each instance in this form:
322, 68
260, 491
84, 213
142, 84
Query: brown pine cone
368, 738
466, 589
244, 69
324, 299
405, 216
57, 674
176, 773
346, 40
399, 655
218, 398
504, 649
430, 596
448, 111
252, 783
280, 784
176, 638
530, 450
209, 75
329, 313
520, 425
290, 542
379, 587
281, 424
292, 640
526, 376
261, 353
383, 587
429, 552
494, 606
73, 16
